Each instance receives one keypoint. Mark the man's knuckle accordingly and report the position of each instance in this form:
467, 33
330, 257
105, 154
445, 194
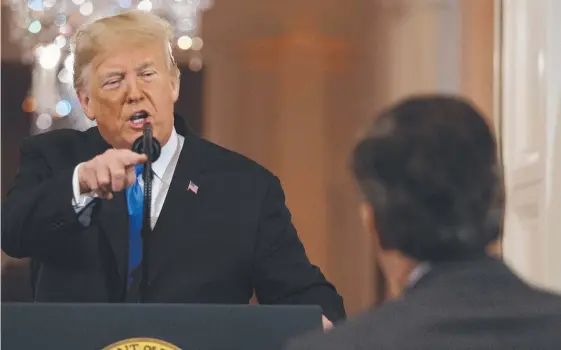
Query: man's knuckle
118, 173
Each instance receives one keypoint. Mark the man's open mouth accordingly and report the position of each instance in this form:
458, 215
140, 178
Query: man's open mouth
139, 117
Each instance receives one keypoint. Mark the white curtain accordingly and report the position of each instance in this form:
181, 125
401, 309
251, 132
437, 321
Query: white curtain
531, 117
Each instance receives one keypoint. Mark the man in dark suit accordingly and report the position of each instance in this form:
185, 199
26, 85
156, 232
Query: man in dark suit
222, 230
433, 189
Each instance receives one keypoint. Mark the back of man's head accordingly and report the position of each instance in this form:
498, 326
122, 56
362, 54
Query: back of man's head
429, 169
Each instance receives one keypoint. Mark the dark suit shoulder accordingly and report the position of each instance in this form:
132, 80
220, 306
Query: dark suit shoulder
220, 159
547, 297
542, 303
356, 333
60, 139
65, 147
456, 315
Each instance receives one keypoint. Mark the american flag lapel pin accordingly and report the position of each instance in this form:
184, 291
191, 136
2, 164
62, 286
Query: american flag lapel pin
192, 187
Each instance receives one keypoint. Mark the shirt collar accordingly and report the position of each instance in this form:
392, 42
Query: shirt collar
418, 272
160, 165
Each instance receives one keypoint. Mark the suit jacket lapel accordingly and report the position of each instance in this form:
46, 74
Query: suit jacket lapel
179, 203
114, 223
112, 214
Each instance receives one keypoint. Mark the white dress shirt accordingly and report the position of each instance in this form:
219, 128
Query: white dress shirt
418, 272
80, 201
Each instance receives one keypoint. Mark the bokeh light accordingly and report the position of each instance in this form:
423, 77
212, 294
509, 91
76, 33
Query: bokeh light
184, 42
86, 8
69, 63
195, 64
63, 108
35, 5
197, 43
44, 121
60, 19
49, 56
65, 29
29, 104
145, 5
60, 41
49, 3
34, 27
64, 76
125, 4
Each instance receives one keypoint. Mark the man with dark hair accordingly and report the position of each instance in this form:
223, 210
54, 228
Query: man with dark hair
434, 201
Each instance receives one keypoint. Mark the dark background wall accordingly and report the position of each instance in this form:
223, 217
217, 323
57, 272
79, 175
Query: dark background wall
15, 124
16, 79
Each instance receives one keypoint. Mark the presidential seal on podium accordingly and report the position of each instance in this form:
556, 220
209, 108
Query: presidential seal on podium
141, 344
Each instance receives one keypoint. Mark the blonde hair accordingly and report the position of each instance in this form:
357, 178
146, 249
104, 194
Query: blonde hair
132, 27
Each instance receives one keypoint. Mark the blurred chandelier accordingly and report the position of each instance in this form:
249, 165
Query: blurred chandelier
43, 28
45, 22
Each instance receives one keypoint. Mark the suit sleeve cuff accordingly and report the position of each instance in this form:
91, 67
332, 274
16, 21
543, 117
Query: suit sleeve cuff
79, 201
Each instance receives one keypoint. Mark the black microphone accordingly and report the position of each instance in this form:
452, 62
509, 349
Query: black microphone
147, 142
148, 145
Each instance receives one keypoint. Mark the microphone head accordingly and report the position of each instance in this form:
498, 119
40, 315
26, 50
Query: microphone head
147, 139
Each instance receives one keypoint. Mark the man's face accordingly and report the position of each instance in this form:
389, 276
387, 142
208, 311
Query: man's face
125, 82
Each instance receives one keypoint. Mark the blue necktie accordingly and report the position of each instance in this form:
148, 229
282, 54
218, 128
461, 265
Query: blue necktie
135, 205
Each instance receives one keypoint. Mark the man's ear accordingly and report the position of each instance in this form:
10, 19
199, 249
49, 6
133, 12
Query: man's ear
367, 217
84, 99
368, 220
175, 88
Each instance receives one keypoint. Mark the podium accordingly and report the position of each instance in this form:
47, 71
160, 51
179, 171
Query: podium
154, 326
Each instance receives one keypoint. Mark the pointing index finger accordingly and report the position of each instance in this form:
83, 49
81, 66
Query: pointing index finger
133, 158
